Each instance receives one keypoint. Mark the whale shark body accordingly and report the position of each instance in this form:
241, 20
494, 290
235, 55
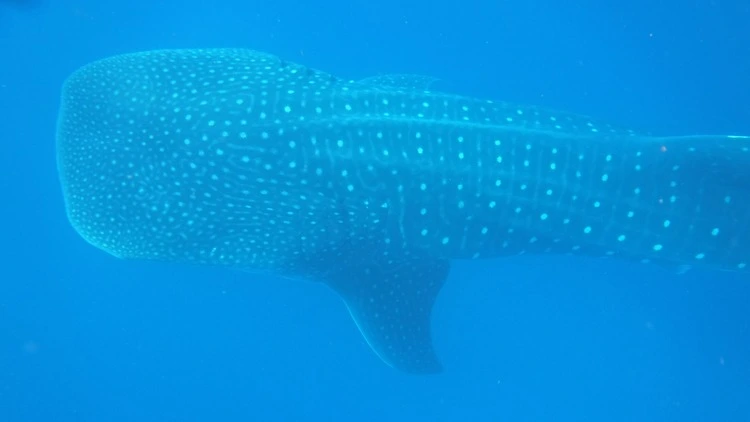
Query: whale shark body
236, 158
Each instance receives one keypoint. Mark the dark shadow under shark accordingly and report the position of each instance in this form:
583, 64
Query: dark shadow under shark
234, 158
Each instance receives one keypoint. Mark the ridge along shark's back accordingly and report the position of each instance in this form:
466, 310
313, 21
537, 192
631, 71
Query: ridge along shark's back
236, 158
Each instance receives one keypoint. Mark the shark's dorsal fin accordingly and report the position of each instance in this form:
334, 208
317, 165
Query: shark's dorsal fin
401, 81
391, 301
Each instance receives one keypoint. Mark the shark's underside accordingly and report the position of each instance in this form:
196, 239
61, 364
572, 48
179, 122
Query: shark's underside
236, 158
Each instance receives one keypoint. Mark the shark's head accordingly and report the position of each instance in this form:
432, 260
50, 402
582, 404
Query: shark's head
159, 153
117, 181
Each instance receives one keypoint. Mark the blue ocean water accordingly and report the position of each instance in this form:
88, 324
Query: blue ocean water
87, 337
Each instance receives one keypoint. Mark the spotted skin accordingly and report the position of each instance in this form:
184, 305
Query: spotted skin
235, 158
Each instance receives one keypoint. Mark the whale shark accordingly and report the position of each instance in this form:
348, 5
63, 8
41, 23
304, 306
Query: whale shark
237, 158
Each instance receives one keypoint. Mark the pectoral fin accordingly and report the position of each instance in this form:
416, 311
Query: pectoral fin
391, 301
